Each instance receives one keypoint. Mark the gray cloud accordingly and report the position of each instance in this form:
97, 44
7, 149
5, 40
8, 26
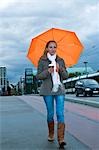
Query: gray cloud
21, 21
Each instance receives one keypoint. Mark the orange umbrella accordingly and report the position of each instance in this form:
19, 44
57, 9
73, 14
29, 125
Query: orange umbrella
68, 46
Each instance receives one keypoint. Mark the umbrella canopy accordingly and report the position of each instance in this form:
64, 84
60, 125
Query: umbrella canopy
69, 46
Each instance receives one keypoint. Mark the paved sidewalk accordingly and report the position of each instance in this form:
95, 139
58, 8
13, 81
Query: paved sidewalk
82, 100
22, 127
82, 121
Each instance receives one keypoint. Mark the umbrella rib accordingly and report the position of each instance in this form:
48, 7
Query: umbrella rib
62, 50
68, 53
61, 39
42, 40
52, 34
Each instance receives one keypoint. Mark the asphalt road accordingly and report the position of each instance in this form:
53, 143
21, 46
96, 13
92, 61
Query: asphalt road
23, 125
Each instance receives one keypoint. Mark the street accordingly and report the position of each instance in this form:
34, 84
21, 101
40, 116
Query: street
23, 125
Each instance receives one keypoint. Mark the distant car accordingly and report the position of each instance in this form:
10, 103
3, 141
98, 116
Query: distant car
86, 87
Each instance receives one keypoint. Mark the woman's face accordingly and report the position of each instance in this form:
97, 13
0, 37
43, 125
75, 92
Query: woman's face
52, 48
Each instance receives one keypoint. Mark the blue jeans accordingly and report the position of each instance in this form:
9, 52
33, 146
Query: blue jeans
49, 101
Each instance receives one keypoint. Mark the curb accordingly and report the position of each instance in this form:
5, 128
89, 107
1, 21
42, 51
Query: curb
86, 102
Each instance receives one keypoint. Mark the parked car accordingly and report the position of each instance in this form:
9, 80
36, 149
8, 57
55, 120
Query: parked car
86, 87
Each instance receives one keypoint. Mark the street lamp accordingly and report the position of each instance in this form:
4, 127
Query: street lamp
85, 62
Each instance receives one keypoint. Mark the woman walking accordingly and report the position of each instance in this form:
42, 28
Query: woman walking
51, 70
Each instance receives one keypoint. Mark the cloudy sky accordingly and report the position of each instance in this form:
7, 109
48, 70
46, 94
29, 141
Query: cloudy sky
21, 21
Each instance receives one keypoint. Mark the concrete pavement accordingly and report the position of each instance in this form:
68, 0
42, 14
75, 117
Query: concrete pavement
22, 127
82, 121
83, 100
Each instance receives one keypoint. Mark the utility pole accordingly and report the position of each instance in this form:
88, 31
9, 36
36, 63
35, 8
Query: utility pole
85, 62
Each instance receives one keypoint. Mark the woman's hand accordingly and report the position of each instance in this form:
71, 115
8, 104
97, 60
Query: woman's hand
51, 69
57, 67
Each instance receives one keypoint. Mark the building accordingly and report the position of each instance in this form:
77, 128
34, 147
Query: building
3, 80
22, 83
28, 80
20, 86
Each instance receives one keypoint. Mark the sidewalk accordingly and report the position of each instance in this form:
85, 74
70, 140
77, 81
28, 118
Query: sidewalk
24, 128
79, 100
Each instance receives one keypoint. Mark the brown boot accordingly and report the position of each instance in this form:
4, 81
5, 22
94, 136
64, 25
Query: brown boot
60, 135
51, 131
